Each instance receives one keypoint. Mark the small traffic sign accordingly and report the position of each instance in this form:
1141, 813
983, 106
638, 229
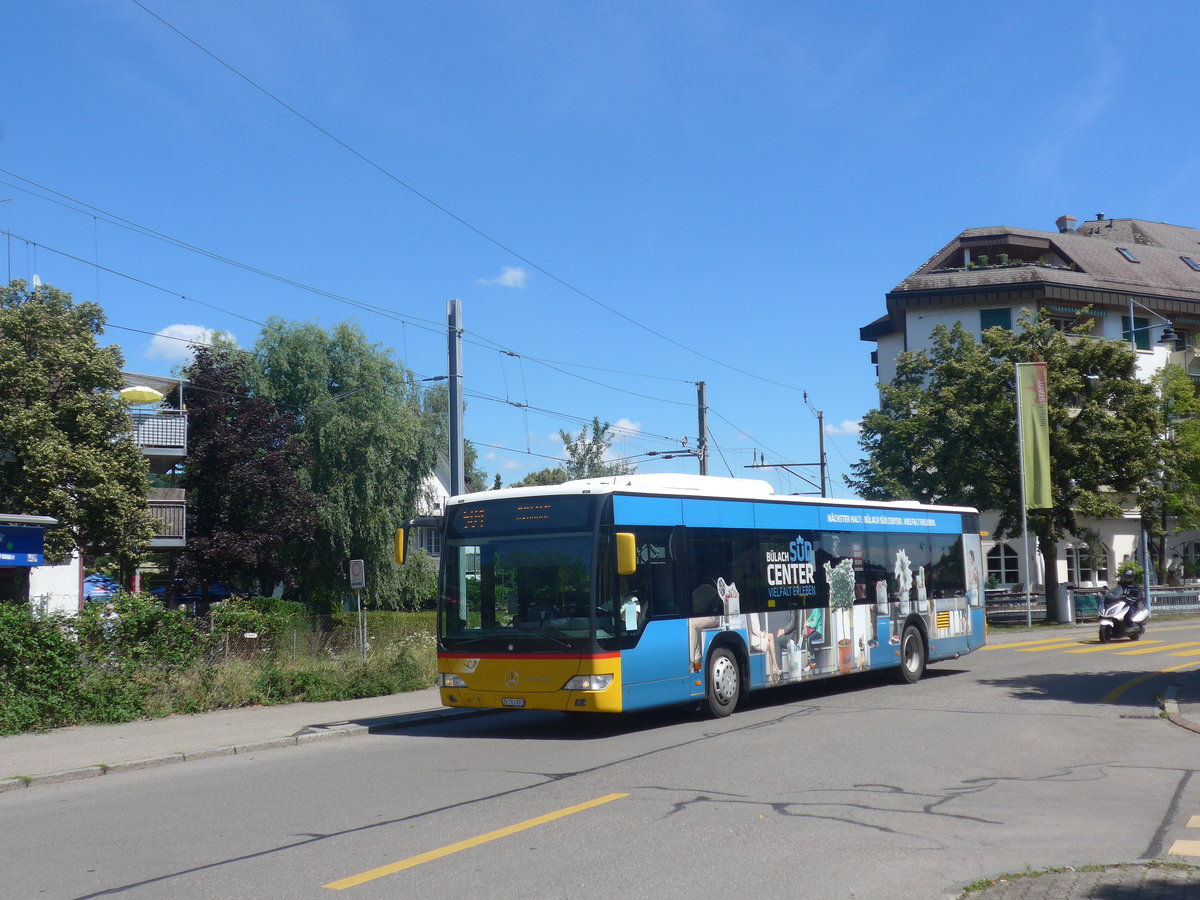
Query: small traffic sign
358, 575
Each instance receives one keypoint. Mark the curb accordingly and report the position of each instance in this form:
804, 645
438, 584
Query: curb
308, 735
1170, 702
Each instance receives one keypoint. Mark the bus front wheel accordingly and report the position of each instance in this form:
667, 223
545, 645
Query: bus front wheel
724, 682
912, 655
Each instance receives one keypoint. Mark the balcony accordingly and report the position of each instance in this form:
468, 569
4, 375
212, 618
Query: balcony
169, 511
161, 435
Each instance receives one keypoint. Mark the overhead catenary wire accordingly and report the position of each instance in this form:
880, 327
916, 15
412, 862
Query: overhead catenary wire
135, 279
525, 407
387, 173
403, 318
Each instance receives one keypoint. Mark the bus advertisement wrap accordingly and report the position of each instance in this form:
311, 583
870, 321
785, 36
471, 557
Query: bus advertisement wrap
733, 590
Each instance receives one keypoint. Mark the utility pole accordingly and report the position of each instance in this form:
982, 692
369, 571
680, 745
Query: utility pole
820, 464
458, 479
702, 410
821, 434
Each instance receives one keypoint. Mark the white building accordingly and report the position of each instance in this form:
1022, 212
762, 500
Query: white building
1136, 278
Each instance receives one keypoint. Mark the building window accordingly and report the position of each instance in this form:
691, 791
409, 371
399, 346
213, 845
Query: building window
1002, 564
1128, 254
995, 318
1080, 569
1140, 332
431, 541
1195, 266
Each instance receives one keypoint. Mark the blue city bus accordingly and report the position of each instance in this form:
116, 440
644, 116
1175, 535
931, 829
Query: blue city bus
638, 591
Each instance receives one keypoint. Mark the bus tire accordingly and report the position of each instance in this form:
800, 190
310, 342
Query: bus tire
723, 686
912, 654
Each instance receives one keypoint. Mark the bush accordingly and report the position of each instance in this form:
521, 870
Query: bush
41, 674
145, 637
60, 670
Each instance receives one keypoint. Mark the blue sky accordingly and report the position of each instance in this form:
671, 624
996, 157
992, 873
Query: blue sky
630, 196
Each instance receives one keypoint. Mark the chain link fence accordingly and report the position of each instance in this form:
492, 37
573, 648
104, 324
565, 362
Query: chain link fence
322, 638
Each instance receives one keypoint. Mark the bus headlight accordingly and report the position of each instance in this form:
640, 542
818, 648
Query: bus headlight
588, 683
449, 679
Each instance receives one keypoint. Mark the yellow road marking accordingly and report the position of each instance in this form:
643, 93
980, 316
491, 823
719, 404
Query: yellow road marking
1185, 848
1111, 696
1157, 649
1194, 822
1058, 645
355, 880
1188, 653
1056, 640
1111, 647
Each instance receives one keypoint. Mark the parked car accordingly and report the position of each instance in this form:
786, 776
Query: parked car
196, 602
99, 588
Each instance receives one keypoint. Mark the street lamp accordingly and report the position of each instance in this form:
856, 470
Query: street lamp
1169, 337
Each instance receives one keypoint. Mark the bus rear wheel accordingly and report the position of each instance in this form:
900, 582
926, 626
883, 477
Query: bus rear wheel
724, 683
912, 655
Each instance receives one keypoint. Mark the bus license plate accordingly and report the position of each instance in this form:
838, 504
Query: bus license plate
515, 702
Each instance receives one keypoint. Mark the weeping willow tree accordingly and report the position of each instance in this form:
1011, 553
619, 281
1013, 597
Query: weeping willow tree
358, 411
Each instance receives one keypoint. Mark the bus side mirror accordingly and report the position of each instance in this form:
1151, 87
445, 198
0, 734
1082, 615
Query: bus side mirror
626, 553
401, 545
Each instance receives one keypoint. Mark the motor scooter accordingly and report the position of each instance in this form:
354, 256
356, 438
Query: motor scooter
1124, 614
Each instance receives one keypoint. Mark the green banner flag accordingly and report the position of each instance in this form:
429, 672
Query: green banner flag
1034, 426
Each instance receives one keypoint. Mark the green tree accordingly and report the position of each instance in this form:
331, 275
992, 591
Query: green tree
250, 520
945, 430
586, 458
543, 477
66, 440
586, 452
435, 409
1174, 498
359, 412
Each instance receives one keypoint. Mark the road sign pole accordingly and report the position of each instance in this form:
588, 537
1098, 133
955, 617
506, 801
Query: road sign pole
362, 625
358, 580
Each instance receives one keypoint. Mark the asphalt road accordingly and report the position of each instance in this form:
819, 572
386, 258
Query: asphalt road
1035, 752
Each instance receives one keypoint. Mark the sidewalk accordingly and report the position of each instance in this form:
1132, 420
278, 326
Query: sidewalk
88, 751
91, 751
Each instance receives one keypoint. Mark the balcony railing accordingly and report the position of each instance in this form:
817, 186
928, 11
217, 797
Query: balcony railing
162, 429
169, 510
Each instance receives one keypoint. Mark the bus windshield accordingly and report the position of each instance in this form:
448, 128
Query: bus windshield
531, 591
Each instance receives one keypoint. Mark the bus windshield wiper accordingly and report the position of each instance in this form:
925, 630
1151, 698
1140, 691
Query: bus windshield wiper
528, 630
464, 643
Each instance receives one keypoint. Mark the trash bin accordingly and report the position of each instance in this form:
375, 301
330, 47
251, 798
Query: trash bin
1064, 604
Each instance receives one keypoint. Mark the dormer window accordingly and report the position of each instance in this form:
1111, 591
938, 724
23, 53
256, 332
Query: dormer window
1192, 264
1128, 254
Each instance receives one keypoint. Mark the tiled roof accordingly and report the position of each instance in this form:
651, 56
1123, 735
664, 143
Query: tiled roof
1092, 247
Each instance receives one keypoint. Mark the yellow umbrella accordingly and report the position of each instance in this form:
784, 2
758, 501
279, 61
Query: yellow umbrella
139, 395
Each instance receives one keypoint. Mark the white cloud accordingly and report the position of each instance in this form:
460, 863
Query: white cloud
847, 427
510, 276
173, 343
511, 465
623, 427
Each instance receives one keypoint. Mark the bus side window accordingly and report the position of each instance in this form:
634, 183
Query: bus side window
653, 584
662, 589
